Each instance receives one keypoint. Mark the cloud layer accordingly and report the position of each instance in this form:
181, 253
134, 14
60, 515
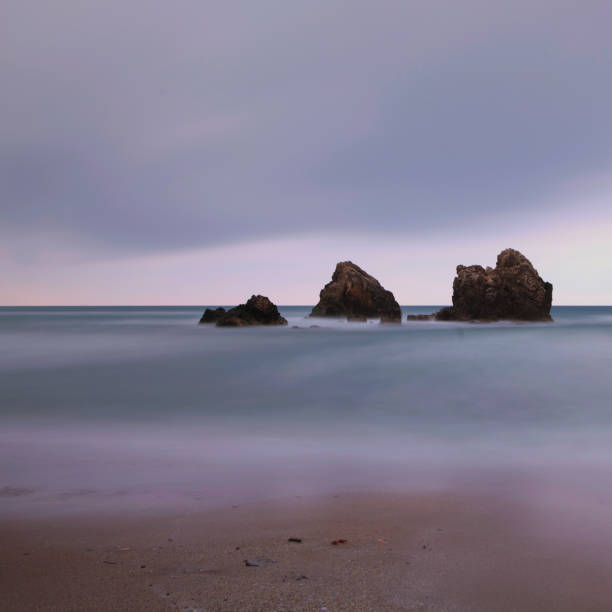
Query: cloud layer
151, 126
137, 137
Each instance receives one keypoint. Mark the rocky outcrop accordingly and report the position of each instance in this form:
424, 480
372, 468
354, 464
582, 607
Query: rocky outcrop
212, 316
513, 290
259, 310
354, 294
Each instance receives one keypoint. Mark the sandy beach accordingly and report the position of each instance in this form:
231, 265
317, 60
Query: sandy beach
146, 465
428, 551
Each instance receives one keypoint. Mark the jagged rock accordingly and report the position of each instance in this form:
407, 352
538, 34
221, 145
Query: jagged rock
259, 310
513, 290
354, 294
212, 316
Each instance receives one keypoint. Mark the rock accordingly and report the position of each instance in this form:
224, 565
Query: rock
513, 290
212, 316
420, 317
445, 314
259, 310
354, 294
391, 319
259, 562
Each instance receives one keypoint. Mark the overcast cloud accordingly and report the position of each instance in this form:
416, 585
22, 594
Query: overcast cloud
148, 127
158, 125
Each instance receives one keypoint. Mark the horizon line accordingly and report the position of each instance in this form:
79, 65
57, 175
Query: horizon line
228, 304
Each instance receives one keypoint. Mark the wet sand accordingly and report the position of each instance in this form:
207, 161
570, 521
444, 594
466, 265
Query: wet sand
426, 551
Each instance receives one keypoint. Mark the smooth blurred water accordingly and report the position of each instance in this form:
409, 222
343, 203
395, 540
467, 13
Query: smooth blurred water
142, 407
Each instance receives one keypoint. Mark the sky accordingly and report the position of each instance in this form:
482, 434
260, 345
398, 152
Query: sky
197, 152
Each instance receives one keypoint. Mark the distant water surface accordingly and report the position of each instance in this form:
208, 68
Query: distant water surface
142, 408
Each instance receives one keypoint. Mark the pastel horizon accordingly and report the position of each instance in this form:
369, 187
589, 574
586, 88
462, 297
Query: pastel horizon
223, 150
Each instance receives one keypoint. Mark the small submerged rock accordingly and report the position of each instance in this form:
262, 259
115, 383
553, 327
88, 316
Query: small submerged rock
393, 319
420, 317
445, 314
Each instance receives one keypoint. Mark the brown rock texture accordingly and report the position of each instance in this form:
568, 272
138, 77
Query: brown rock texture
259, 310
212, 316
354, 294
511, 291
446, 314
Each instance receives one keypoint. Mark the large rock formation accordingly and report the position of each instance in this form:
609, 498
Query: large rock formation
212, 316
259, 310
512, 291
354, 294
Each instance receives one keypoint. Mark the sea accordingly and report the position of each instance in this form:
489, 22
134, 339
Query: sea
140, 409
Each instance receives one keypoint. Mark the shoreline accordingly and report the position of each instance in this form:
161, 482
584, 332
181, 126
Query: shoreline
450, 550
